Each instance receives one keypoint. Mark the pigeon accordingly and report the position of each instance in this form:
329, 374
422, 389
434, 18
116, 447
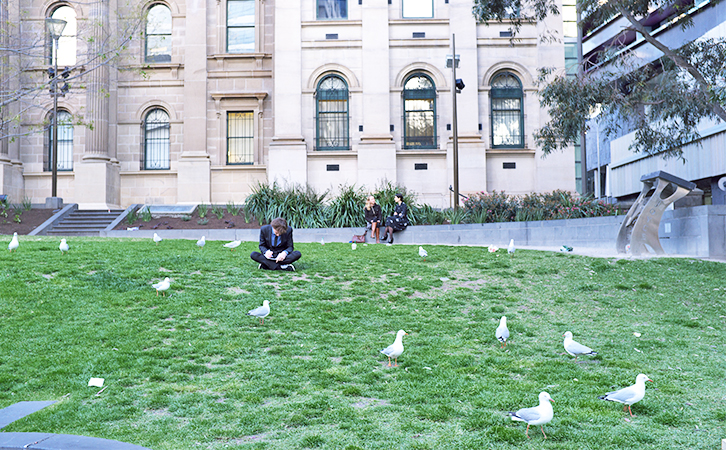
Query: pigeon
162, 286
14, 244
539, 415
261, 312
502, 332
511, 248
63, 247
232, 245
629, 395
201, 242
422, 253
394, 350
493, 249
575, 348
157, 238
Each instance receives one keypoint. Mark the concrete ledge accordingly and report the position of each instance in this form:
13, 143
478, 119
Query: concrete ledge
121, 217
57, 217
48, 441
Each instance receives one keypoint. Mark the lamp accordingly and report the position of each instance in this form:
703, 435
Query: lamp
452, 62
55, 29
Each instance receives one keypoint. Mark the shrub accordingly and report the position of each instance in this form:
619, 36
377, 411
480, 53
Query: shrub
232, 208
346, 210
218, 211
202, 210
302, 207
384, 195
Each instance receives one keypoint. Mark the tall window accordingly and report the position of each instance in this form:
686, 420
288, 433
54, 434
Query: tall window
67, 42
507, 112
240, 138
240, 26
418, 9
419, 112
158, 34
332, 114
332, 9
156, 140
65, 142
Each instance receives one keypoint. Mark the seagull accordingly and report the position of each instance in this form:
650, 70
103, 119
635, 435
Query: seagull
63, 247
422, 253
232, 245
502, 332
261, 312
538, 415
394, 350
511, 249
14, 244
157, 238
162, 286
322, 241
629, 395
575, 348
201, 242
493, 249
354, 246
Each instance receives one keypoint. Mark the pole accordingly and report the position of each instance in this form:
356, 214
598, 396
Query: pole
581, 75
455, 129
54, 159
599, 177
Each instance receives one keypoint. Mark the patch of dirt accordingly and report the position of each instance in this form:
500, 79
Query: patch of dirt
177, 223
29, 220
366, 402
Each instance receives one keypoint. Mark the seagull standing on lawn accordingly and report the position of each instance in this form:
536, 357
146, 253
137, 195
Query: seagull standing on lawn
232, 245
394, 350
576, 349
201, 242
502, 332
539, 415
162, 286
629, 395
157, 239
261, 312
422, 253
511, 248
14, 244
63, 247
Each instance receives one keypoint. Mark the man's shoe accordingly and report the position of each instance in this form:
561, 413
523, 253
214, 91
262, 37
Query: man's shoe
259, 267
288, 267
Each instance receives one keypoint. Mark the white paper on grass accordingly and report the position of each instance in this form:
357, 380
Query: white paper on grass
96, 382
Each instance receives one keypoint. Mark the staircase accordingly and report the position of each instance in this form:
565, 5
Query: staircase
84, 223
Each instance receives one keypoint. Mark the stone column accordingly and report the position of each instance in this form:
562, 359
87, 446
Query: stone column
287, 155
97, 177
376, 150
11, 176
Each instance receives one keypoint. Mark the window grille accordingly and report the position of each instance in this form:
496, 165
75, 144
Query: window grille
332, 120
419, 106
507, 114
156, 140
65, 142
240, 138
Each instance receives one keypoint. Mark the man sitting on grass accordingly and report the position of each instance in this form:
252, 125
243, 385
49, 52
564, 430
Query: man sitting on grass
276, 247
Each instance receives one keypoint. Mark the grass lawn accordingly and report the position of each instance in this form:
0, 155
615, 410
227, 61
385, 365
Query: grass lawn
191, 370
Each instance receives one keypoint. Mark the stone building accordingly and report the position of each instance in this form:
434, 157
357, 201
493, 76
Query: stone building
210, 97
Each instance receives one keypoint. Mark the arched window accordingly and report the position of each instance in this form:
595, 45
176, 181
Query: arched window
67, 42
158, 34
507, 113
65, 141
332, 114
419, 112
156, 140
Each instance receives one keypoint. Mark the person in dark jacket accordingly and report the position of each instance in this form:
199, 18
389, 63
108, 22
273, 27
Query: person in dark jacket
276, 247
373, 217
398, 221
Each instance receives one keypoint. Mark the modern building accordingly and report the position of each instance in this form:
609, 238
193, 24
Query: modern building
615, 171
213, 96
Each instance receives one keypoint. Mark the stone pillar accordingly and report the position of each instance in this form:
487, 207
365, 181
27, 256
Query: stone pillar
11, 176
194, 166
287, 156
97, 177
376, 150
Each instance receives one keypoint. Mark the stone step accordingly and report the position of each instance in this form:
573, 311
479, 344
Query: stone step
85, 223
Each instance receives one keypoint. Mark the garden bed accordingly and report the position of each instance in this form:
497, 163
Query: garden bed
193, 222
28, 220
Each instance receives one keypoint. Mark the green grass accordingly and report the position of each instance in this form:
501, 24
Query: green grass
191, 370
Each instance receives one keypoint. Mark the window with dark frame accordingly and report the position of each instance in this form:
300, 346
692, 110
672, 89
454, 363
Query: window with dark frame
67, 43
507, 114
332, 9
158, 34
156, 140
65, 142
331, 115
240, 138
240, 26
419, 112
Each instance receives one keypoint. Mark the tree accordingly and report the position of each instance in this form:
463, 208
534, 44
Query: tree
662, 101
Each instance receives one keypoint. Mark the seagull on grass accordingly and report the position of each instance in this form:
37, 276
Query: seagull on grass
63, 247
502, 332
511, 248
538, 415
14, 244
201, 242
162, 286
394, 350
422, 253
232, 245
261, 312
157, 239
629, 395
576, 349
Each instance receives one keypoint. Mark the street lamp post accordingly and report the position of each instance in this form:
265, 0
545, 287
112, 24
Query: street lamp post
456, 85
55, 29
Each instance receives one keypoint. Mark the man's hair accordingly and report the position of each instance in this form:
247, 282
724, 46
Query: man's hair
280, 225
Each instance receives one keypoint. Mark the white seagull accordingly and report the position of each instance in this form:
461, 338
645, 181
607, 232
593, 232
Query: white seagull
502, 332
201, 242
629, 395
576, 349
539, 415
232, 245
422, 253
162, 286
63, 247
157, 239
14, 244
261, 312
511, 248
394, 350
